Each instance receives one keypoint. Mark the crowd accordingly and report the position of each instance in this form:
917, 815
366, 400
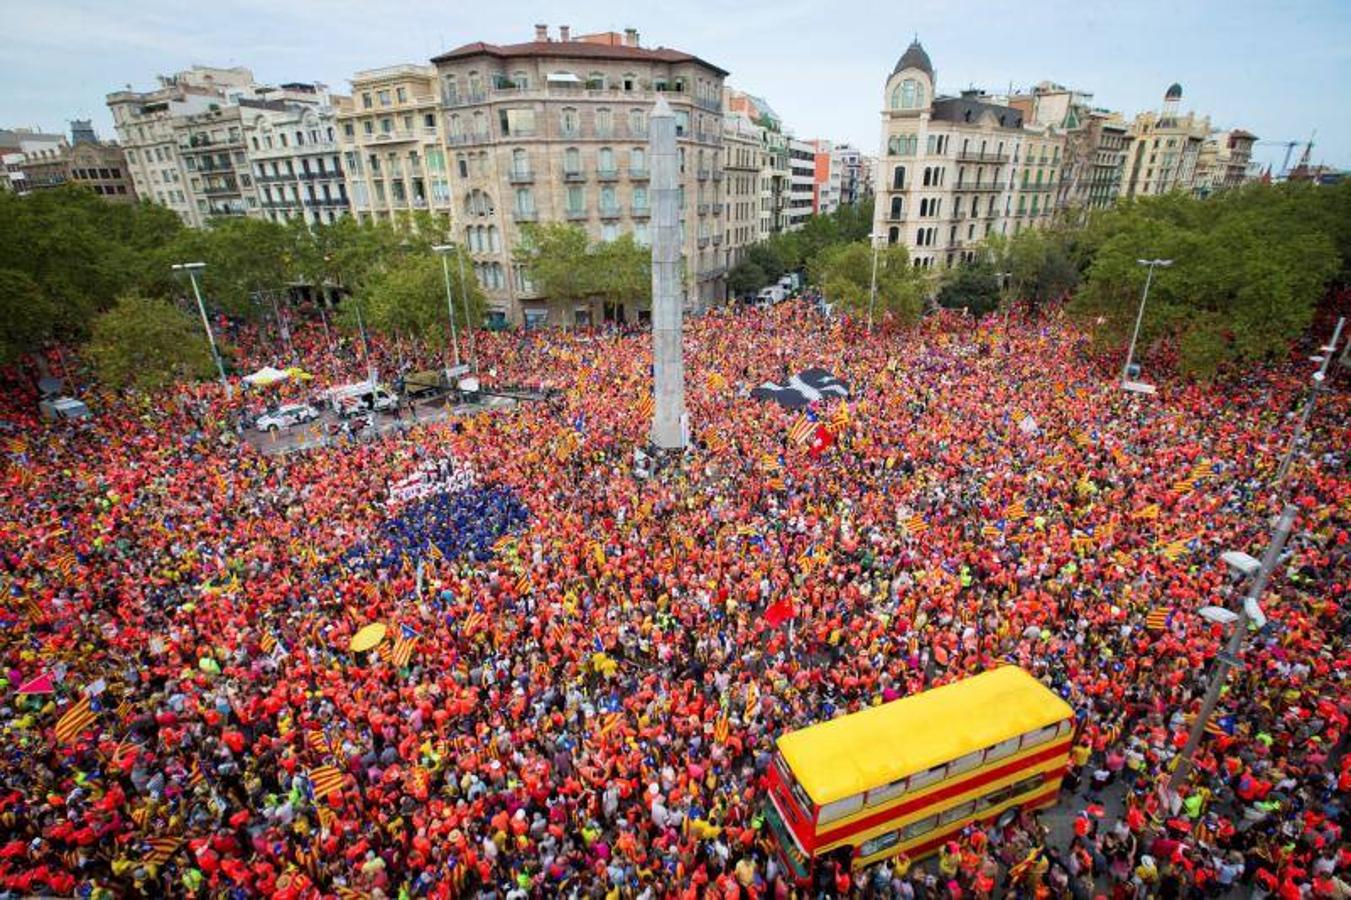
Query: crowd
581, 697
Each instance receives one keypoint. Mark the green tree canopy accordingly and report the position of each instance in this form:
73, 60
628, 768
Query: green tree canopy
148, 344
844, 274
973, 286
623, 271
409, 298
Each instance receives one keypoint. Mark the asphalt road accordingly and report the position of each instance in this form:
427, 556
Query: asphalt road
321, 432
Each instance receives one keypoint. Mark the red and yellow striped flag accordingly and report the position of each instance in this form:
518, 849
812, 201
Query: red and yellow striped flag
1157, 619
915, 525
801, 429
326, 780
326, 817
162, 849
1016, 510
75, 721
1148, 513
646, 406
721, 729
402, 651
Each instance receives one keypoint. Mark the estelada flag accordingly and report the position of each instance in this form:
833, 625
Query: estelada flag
778, 613
75, 721
326, 780
162, 849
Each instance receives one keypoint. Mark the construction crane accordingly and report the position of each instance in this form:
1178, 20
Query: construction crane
1289, 149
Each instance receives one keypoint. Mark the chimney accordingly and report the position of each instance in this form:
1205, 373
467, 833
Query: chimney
541, 33
630, 37
563, 32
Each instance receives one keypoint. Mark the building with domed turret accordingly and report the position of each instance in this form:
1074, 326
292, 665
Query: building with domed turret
1166, 145
953, 170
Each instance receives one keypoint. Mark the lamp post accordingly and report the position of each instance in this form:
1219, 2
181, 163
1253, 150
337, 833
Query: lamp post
1319, 377
468, 325
1228, 658
443, 250
1004, 279
192, 269
1140, 316
872, 284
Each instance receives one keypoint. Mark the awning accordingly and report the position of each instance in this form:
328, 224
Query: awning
562, 78
265, 376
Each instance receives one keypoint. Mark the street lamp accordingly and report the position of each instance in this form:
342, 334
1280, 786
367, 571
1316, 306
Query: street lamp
1126, 382
1318, 378
1004, 279
192, 269
469, 325
872, 285
443, 250
1258, 574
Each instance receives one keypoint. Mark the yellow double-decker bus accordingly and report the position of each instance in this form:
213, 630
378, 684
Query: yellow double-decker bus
910, 774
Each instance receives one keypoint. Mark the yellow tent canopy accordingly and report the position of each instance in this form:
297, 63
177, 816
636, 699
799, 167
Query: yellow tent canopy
368, 637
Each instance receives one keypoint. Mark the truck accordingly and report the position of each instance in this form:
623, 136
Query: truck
366, 396
770, 295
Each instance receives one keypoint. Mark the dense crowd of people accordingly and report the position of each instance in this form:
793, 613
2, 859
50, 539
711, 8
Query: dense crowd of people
580, 692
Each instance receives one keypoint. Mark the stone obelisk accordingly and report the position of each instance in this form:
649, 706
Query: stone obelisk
668, 363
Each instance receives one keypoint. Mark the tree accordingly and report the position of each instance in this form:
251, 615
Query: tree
243, 257
623, 272
27, 315
746, 277
556, 253
1041, 264
409, 298
148, 344
973, 286
844, 274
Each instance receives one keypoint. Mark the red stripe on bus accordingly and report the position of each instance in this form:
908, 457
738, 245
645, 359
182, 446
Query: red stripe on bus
952, 790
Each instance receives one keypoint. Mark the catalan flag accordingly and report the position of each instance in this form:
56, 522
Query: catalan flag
317, 741
125, 748
504, 543
1176, 549
611, 722
645, 406
839, 420
195, 774
326, 780
1148, 513
715, 441
1203, 469
141, 816
776, 483
403, 648
75, 721
473, 622
801, 429
1083, 543
523, 584
1158, 619
1080, 439
721, 729
915, 525
770, 463
1122, 559
1016, 510
16, 445
162, 850
1184, 486
990, 531
716, 382
350, 893
64, 565
327, 817
268, 642
597, 551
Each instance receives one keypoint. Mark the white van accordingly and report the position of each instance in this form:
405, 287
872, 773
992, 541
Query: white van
353, 399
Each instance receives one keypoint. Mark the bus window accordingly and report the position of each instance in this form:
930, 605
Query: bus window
960, 811
915, 829
965, 763
879, 843
839, 809
927, 777
805, 805
1041, 735
1002, 749
887, 792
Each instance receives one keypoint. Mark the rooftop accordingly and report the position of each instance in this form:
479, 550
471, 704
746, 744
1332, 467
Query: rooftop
573, 49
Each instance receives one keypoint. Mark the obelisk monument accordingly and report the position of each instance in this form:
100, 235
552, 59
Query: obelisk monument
668, 361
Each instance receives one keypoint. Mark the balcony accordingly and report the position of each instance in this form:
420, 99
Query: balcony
1036, 188
637, 174
978, 186
515, 176
525, 215
717, 174
607, 174
708, 137
574, 176
641, 212
717, 208
703, 174
715, 272
610, 212
710, 105
998, 158
717, 240
703, 209
466, 99
703, 242
216, 190
576, 215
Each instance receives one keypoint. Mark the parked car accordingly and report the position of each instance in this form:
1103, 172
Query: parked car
54, 408
352, 399
286, 416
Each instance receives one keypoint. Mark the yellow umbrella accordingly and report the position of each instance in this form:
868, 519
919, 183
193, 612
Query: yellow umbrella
369, 637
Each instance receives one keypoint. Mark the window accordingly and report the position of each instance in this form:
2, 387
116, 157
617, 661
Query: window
923, 826
606, 160
576, 199
520, 162
909, 94
607, 198
1002, 749
887, 791
609, 232
520, 80
604, 123
960, 811
572, 160
897, 204
682, 119
525, 201
637, 123
401, 94
366, 101
928, 776
879, 843
517, 121
568, 121
971, 760
384, 97
640, 198
595, 81
898, 178
1042, 735
638, 159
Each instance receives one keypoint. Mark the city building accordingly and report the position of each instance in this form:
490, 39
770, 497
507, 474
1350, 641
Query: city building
801, 182
855, 171
1225, 161
291, 143
555, 130
742, 161
1166, 146
955, 170
85, 161
17, 145
393, 145
826, 176
774, 170
1096, 144
154, 127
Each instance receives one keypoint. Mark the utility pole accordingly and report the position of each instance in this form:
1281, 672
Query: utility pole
1319, 377
1228, 658
443, 251
192, 269
872, 284
468, 323
1140, 316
